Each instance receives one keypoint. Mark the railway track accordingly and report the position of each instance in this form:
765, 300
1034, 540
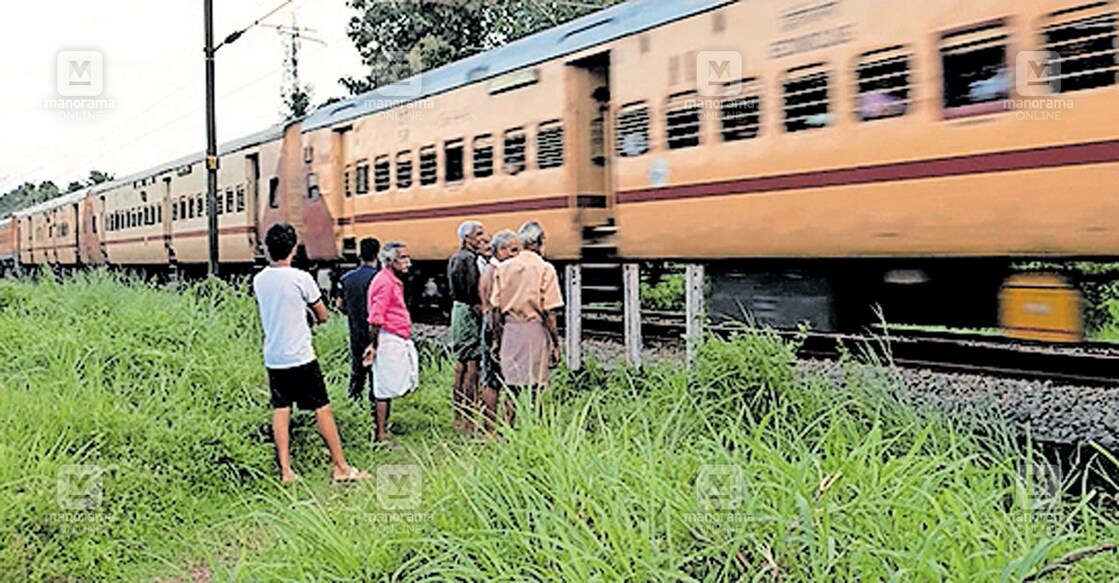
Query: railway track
1093, 363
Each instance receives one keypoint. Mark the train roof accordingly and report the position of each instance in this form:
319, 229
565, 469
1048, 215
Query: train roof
55, 202
579, 34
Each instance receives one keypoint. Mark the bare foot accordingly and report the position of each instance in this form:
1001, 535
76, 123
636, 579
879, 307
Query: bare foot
288, 476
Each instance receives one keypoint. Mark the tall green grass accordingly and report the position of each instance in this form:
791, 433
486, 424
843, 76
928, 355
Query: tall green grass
738, 469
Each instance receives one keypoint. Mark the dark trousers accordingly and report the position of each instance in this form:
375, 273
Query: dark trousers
360, 375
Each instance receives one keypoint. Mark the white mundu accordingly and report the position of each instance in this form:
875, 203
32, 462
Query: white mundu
283, 294
396, 368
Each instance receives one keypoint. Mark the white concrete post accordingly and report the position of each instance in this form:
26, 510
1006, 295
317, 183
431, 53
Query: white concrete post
631, 285
573, 317
696, 310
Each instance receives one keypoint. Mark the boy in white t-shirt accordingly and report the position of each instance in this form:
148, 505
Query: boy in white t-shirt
289, 301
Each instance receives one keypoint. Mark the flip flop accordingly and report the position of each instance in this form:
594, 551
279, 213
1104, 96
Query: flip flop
354, 475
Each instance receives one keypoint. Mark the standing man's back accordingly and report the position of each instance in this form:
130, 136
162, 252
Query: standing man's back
355, 304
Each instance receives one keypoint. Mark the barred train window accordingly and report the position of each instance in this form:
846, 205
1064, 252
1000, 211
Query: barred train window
806, 99
883, 83
976, 77
454, 163
240, 198
682, 120
229, 200
483, 156
347, 185
429, 166
313, 191
549, 145
219, 207
404, 169
1087, 49
174, 211
382, 180
513, 157
740, 110
274, 192
182, 208
633, 130
362, 178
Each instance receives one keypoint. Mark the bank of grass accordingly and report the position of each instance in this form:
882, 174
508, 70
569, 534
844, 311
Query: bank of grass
746, 470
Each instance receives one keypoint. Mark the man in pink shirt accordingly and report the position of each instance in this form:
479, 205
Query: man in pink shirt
392, 354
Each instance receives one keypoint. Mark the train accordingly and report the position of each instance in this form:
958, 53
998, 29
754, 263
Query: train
827, 161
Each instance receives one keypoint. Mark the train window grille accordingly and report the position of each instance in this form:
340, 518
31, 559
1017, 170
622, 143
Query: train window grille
361, 178
740, 111
429, 166
159, 214
807, 104
174, 211
347, 186
1087, 53
183, 208
274, 192
229, 200
549, 145
976, 76
241, 198
190, 208
200, 202
483, 156
454, 161
219, 208
404, 169
633, 131
514, 158
146, 216
883, 86
313, 191
382, 177
682, 124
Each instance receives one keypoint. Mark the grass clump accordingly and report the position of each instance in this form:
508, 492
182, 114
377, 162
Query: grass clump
741, 468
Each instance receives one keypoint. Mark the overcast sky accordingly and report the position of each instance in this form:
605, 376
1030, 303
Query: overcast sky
154, 75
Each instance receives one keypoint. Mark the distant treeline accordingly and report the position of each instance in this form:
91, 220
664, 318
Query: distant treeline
28, 194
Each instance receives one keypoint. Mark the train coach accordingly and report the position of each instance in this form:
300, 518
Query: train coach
822, 158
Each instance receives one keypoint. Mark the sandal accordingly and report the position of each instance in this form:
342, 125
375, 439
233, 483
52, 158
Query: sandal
353, 475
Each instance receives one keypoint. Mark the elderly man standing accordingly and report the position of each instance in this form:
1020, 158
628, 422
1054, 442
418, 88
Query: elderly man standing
525, 296
466, 323
504, 247
392, 354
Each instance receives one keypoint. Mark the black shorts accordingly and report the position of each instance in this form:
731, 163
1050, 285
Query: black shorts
303, 385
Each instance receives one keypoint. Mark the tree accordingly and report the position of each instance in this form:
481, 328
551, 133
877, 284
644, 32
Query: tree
401, 38
297, 103
28, 195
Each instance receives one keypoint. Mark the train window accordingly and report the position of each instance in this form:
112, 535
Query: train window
549, 145
976, 77
347, 185
220, 206
429, 170
159, 214
382, 179
241, 198
883, 83
404, 169
229, 200
483, 156
739, 111
190, 207
145, 216
361, 177
633, 130
454, 163
313, 191
806, 99
1087, 51
513, 160
200, 204
174, 211
274, 192
183, 208
682, 121
94, 224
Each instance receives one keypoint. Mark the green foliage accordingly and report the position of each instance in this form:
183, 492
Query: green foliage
406, 37
28, 195
666, 295
839, 480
